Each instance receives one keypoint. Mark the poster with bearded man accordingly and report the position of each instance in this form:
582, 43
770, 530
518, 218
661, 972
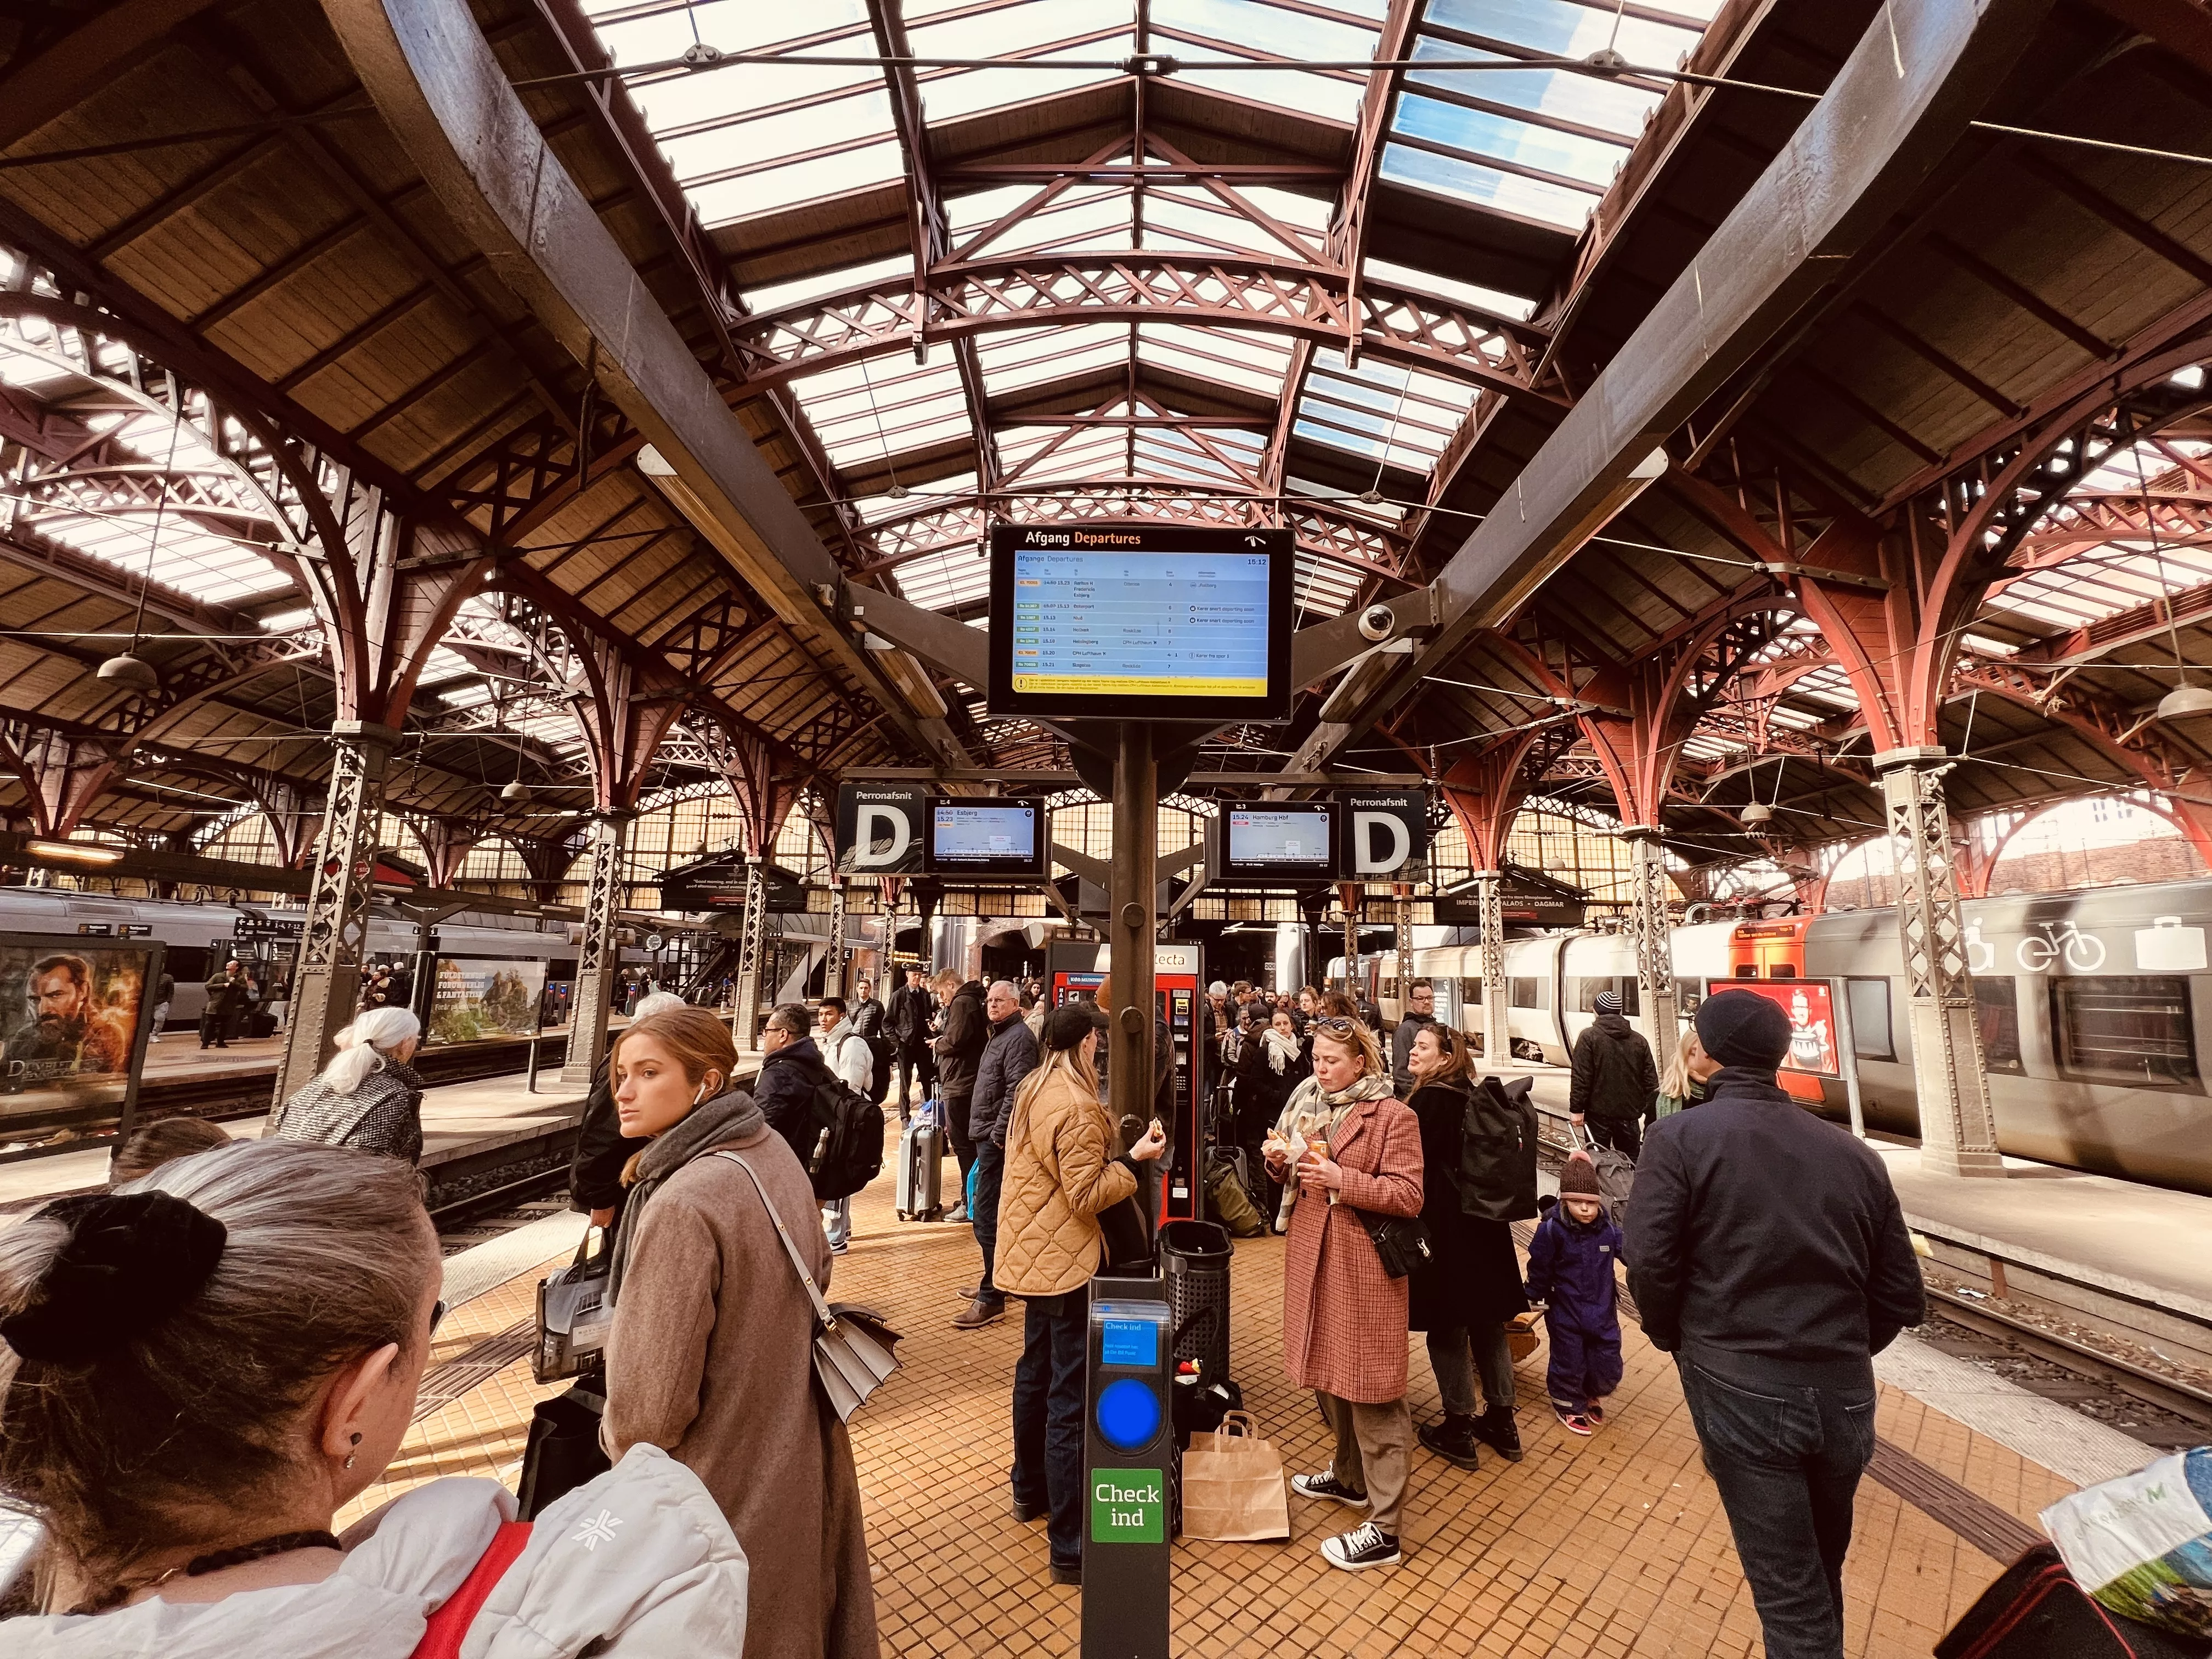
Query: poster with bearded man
72, 1020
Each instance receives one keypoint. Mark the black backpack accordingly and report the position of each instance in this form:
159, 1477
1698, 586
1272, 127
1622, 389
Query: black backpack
845, 1148
1497, 1152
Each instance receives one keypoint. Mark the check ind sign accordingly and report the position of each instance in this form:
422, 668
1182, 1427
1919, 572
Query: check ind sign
1128, 1506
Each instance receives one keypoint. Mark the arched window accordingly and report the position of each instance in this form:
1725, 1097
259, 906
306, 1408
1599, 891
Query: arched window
2100, 841
494, 865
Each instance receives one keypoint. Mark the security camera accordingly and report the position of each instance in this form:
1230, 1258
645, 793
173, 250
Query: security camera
1378, 622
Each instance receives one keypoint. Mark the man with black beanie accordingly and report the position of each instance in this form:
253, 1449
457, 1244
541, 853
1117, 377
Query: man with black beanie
1768, 1255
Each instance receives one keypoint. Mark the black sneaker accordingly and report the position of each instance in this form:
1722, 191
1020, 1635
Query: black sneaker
1361, 1548
1453, 1440
1496, 1429
1326, 1485
1067, 1574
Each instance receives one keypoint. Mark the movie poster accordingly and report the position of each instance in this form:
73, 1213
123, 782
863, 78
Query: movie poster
69, 1017
478, 999
1810, 1004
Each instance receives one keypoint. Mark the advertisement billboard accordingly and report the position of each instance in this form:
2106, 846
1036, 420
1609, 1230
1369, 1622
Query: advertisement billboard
74, 1020
1811, 1006
486, 999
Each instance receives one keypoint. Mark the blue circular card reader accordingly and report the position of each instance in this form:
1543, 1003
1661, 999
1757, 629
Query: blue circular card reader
1128, 1414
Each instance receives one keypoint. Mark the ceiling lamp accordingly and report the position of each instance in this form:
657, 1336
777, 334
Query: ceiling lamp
2183, 703
517, 790
132, 673
1759, 812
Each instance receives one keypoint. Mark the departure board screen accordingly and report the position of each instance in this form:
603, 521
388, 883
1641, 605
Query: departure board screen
1271, 844
1171, 622
985, 837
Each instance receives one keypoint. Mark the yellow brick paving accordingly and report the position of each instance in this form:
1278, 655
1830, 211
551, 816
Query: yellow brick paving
1615, 1546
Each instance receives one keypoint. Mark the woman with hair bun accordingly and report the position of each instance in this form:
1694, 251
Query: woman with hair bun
712, 1352
197, 1373
367, 1096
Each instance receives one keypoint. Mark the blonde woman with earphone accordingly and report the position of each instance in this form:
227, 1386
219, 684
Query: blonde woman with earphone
711, 1355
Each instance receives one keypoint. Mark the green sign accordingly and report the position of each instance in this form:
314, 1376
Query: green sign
1128, 1506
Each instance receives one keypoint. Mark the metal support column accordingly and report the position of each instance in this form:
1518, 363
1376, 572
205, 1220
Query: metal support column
1405, 944
1958, 1133
833, 968
327, 987
1132, 891
1347, 894
1654, 951
598, 958
1497, 1036
751, 953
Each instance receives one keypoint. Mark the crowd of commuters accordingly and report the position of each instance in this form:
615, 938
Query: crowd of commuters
1765, 1251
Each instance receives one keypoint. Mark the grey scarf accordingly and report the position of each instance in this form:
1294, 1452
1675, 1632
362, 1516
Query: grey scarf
732, 1116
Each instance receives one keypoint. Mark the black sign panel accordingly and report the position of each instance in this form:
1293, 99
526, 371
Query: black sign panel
1382, 834
882, 828
1521, 910
253, 927
719, 884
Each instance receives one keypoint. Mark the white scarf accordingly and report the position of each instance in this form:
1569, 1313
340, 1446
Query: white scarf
1282, 1050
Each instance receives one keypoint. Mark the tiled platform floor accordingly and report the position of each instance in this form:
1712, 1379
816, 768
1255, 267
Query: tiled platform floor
1612, 1547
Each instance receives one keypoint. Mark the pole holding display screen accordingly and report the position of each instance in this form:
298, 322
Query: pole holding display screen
1141, 622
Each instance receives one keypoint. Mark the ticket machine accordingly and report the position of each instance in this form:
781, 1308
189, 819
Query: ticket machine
1075, 968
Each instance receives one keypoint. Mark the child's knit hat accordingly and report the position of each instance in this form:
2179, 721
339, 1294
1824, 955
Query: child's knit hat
1579, 1179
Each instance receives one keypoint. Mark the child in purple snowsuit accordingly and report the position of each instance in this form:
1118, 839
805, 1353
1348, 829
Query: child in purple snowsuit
1570, 1269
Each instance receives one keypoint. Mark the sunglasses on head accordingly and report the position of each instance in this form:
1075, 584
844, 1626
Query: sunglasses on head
1335, 1023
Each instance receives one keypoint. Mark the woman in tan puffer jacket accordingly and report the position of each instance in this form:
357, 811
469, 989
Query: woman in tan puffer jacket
1062, 1171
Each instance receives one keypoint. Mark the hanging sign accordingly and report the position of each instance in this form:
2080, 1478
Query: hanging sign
1385, 834
882, 828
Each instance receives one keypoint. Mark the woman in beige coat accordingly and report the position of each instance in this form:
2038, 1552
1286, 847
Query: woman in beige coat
711, 1355
1060, 1172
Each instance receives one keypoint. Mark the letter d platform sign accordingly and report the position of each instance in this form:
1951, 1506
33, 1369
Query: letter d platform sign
880, 828
1128, 1459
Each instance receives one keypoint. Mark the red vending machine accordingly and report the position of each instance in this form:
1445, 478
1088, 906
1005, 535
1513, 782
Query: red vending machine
1076, 968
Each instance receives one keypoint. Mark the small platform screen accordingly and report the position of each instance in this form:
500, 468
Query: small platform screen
986, 837
1292, 844
1139, 622
1135, 1342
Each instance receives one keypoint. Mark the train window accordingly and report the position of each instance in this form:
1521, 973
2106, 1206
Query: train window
1688, 993
1871, 1036
1782, 971
1527, 992
1470, 993
1746, 970
2131, 1029
185, 962
1996, 1012
1581, 994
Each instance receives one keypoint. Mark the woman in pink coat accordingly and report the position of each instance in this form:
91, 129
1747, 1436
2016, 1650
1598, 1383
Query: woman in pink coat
1346, 1146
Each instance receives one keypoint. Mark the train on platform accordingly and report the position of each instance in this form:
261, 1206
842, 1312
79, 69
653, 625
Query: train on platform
197, 936
2094, 1009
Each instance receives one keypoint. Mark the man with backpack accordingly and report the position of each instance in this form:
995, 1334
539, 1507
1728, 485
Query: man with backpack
1615, 1084
852, 1063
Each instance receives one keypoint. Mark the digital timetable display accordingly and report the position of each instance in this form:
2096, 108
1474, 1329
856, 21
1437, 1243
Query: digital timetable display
1140, 620
985, 837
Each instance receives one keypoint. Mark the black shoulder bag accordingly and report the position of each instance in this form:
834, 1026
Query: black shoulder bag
1401, 1240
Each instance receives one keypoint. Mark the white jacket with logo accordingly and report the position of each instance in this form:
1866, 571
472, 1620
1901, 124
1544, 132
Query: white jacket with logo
638, 1563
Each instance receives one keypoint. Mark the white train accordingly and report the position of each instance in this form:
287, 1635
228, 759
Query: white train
2094, 1009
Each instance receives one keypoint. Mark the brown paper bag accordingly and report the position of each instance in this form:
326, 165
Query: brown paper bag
1232, 1484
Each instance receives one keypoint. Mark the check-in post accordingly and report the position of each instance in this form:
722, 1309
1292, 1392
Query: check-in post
1128, 1455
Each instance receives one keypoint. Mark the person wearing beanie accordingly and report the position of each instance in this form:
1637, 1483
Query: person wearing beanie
1571, 1270
1615, 1086
1769, 1256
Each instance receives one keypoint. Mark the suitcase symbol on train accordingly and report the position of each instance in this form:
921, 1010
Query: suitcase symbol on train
2167, 947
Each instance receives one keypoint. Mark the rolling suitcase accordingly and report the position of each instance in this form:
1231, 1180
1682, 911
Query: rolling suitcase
920, 1190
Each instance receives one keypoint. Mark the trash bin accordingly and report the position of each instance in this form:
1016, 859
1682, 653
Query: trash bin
1194, 1262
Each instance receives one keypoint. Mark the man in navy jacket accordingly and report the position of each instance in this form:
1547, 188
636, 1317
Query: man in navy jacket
1768, 1255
